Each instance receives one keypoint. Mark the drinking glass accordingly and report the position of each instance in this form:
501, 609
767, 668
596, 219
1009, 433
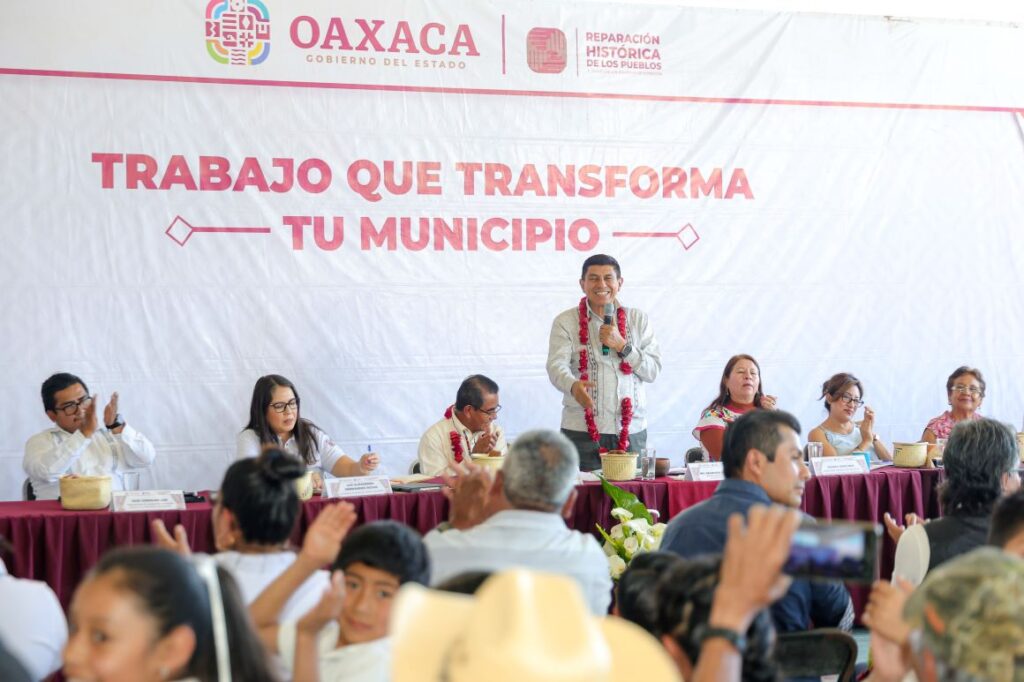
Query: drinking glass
647, 462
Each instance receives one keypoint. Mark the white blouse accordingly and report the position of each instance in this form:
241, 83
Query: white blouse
327, 453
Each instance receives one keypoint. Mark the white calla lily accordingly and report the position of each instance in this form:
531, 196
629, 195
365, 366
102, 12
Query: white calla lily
616, 566
622, 514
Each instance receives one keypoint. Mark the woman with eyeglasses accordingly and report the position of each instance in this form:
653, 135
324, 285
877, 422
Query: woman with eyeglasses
965, 389
274, 420
839, 433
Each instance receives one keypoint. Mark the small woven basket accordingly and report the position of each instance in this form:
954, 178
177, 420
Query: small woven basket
619, 466
488, 461
84, 492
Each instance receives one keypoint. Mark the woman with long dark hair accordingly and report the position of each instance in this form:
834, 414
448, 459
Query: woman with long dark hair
150, 615
274, 419
739, 391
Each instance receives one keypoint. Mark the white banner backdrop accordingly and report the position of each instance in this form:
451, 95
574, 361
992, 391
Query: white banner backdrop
391, 196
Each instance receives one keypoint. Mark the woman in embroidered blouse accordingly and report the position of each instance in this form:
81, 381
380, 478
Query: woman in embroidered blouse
274, 420
965, 389
739, 391
839, 433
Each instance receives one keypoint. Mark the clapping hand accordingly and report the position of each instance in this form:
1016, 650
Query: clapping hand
468, 493
323, 539
768, 402
162, 538
110, 411
89, 419
867, 426
894, 529
751, 575
485, 443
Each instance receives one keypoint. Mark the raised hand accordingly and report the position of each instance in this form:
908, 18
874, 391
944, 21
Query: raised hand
751, 575
894, 529
468, 493
162, 538
110, 411
89, 419
323, 539
485, 443
327, 609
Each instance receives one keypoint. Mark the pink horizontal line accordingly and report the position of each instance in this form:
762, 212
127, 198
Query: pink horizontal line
518, 93
248, 230
644, 234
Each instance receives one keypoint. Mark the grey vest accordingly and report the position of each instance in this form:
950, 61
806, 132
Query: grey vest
951, 536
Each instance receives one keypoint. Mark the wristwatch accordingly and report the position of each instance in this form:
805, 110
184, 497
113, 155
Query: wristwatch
738, 641
118, 421
626, 350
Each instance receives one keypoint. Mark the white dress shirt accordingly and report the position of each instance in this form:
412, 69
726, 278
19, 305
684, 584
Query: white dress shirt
521, 538
327, 453
253, 572
435, 451
368, 662
32, 624
611, 385
55, 452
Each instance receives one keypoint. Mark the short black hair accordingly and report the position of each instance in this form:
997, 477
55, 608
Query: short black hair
1007, 519
388, 546
58, 382
260, 492
977, 455
600, 259
684, 594
757, 429
473, 389
636, 596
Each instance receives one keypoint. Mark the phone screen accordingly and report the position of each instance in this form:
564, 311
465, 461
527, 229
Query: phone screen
838, 550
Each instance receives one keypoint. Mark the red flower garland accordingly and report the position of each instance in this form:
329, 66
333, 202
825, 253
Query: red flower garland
624, 367
454, 437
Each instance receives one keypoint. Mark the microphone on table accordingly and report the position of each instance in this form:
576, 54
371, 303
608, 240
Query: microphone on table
609, 312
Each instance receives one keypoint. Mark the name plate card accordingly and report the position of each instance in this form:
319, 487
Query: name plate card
705, 471
839, 466
357, 486
147, 500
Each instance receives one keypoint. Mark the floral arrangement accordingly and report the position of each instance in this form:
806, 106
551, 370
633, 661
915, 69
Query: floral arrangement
635, 532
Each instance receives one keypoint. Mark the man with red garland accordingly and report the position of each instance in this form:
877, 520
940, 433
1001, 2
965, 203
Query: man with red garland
605, 404
467, 428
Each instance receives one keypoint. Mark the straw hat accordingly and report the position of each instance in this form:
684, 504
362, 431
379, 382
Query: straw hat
521, 625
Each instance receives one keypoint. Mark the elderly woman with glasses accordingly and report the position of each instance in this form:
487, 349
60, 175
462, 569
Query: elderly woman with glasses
839, 433
965, 389
274, 420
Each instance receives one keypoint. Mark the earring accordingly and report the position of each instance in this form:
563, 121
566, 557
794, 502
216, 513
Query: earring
164, 672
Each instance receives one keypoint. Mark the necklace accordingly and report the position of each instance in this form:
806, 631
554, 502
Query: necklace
624, 367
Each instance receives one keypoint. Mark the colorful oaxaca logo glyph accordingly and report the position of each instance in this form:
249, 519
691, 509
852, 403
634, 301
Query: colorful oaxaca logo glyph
238, 31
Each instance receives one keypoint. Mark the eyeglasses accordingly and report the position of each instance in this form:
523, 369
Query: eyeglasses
960, 388
292, 405
491, 412
850, 400
71, 408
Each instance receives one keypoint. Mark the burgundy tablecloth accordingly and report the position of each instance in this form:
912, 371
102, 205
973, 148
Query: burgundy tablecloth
59, 546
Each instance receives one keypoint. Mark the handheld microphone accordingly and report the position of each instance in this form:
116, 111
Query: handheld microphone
609, 313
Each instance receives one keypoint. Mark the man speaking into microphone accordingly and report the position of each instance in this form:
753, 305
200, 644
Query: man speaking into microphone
600, 355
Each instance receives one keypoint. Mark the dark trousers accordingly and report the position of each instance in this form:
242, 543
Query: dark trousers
588, 449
